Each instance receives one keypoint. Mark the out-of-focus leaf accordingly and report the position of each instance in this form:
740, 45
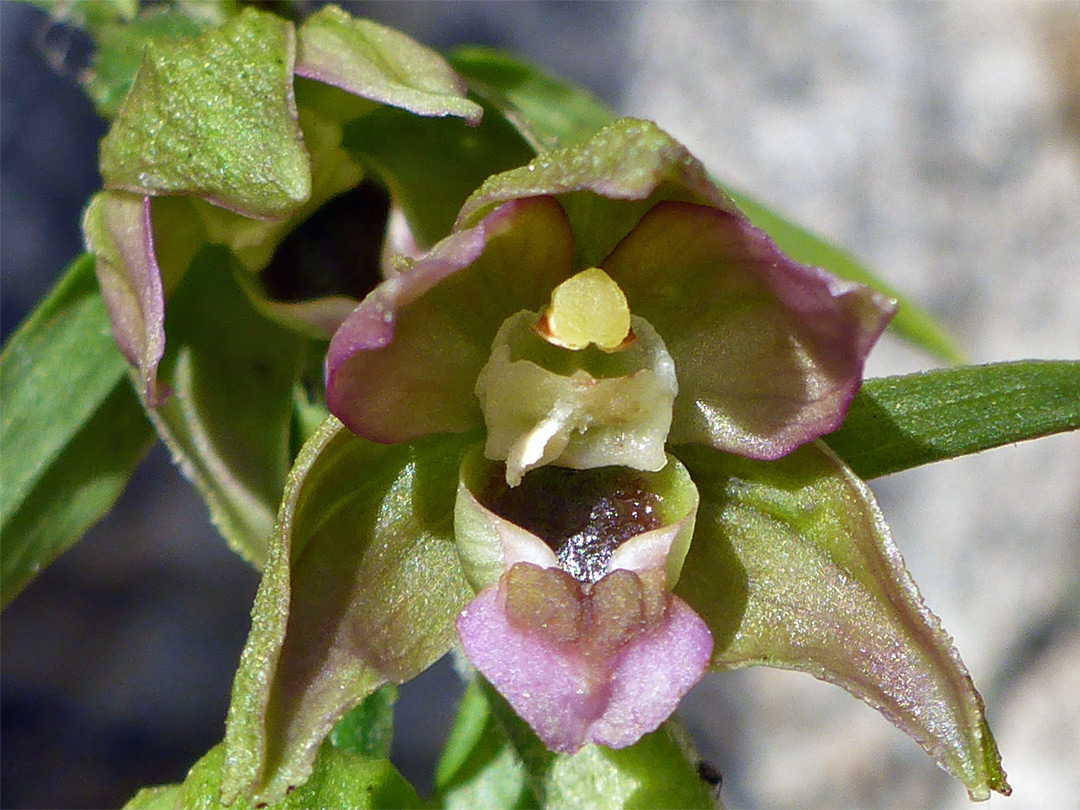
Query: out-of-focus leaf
215, 117
361, 588
71, 427
431, 166
548, 113
340, 779
376, 62
369, 728
119, 48
792, 566
658, 771
232, 372
895, 423
89, 14
911, 323
479, 768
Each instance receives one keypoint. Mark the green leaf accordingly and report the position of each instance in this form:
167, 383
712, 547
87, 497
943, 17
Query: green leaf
361, 588
378, 63
369, 728
896, 423
340, 779
548, 113
432, 165
215, 117
228, 421
911, 323
792, 566
658, 771
71, 428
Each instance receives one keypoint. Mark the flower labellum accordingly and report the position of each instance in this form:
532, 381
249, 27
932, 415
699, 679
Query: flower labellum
579, 631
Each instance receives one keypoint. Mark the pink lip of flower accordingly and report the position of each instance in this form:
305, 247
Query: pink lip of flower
603, 662
768, 354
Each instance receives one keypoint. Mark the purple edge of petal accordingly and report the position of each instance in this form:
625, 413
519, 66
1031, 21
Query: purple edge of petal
371, 325
798, 286
154, 302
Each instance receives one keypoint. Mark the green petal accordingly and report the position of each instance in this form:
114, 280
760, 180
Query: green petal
215, 117
381, 64
896, 423
605, 185
71, 427
232, 372
551, 114
361, 588
547, 112
340, 779
792, 566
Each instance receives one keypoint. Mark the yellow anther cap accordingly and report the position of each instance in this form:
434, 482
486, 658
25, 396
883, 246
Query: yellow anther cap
587, 308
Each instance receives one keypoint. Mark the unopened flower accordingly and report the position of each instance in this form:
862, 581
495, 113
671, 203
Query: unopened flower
217, 143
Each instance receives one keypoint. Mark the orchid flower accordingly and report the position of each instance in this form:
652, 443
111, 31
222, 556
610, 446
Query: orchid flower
234, 137
580, 437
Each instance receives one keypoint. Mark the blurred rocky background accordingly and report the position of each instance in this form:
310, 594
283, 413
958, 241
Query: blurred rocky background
939, 142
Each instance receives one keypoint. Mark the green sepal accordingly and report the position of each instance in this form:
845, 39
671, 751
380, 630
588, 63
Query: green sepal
605, 184
792, 566
361, 588
215, 117
379, 63
232, 373
71, 427
340, 779
493, 759
896, 423
548, 113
